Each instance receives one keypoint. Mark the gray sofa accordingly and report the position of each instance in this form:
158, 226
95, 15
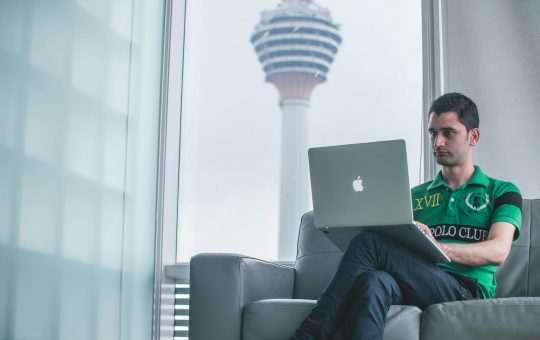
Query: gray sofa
237, 297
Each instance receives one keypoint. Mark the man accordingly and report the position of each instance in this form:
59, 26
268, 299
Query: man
472, 217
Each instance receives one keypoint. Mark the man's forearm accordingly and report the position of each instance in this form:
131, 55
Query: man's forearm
476, 254
492, 251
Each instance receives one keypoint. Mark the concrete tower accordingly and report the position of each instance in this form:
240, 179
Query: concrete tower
295, 43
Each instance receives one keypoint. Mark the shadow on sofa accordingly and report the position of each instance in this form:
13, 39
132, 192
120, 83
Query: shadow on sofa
238, 297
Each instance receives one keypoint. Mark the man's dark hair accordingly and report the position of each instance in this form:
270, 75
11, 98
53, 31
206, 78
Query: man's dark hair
462, 105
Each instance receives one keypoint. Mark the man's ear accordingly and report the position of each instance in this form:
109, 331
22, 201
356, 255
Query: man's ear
474, 135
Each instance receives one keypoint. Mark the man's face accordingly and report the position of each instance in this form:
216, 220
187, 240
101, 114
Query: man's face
452, 143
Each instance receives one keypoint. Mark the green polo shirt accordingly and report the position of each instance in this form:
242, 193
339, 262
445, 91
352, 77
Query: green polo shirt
465, 215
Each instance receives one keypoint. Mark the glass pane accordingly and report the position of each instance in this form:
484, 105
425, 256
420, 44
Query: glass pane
346, 72
61, 231
79, 119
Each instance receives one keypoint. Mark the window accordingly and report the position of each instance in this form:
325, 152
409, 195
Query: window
243, 169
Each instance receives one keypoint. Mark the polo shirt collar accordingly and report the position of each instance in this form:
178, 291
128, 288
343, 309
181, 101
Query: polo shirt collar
478, 178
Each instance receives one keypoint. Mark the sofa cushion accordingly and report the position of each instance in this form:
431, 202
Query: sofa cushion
277, 319
317, 259
508, 318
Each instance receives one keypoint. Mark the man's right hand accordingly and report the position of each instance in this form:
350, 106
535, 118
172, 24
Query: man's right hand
426, 230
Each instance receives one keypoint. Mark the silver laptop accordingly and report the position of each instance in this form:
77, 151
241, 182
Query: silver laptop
365, 187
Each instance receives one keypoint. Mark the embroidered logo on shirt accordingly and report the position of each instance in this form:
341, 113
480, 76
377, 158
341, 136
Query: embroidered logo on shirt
476, 201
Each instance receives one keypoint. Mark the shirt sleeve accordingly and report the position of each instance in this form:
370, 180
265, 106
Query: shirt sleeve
507, 207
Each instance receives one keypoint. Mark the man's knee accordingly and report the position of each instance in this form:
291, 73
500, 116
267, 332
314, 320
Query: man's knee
376, 282
378, 277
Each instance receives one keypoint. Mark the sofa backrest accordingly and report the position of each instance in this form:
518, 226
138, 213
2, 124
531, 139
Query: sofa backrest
519, 275
317, 259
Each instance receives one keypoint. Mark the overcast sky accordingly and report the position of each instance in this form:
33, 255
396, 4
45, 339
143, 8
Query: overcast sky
229, 183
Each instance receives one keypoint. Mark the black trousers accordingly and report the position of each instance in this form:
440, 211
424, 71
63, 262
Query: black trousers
373, 274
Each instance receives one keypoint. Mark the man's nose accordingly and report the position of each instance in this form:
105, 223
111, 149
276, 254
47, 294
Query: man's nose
438, 141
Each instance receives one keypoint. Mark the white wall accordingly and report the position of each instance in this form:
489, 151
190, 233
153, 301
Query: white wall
491, 53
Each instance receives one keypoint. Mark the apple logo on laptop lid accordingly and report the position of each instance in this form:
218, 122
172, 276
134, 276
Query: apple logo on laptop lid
358, 185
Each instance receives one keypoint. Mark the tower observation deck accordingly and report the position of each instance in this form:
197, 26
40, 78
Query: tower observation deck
296, 43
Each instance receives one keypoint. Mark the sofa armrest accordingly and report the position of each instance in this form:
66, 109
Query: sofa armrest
221, 285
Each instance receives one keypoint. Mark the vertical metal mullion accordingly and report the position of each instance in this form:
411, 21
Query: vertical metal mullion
168, 173
433, 71
160, 184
